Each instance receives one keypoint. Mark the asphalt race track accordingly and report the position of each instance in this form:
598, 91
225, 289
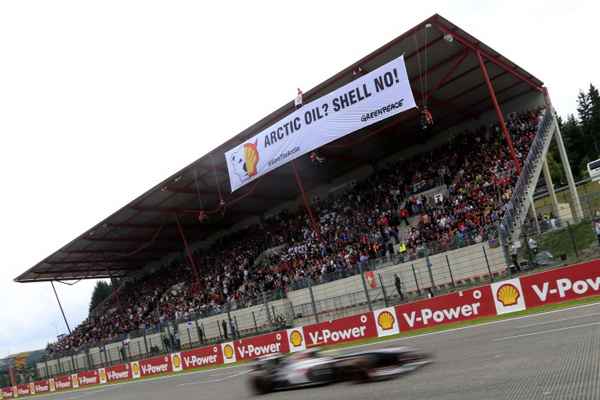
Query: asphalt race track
548, 356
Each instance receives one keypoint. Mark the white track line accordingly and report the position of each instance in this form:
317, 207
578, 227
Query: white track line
215, 380
558, 320
545, 331
204, 371
482, 325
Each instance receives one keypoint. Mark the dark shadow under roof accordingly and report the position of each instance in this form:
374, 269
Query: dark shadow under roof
145, 230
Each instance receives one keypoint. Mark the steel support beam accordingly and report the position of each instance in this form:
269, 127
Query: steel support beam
499, 114
550, 187
188, 252
307, 206
482, 53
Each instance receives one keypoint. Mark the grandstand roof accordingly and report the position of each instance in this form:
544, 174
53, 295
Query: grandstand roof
145, 230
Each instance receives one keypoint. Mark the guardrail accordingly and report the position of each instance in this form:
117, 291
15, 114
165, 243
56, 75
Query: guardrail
497, 298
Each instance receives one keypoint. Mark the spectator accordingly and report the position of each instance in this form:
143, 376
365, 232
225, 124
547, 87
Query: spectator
514, 253
597, 230
224, 327
360, 225
398, 283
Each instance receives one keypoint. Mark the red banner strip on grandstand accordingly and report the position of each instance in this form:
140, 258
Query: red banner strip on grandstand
203, 357
562, 284
155, 366
63, 382
568, 283
8, 392
118, 373
340, 330
454, 307
257, 346
87, 378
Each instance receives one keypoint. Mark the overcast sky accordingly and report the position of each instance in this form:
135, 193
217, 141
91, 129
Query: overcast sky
99, 101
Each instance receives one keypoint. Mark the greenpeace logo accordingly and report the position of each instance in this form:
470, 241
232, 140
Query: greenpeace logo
41, 388
154, 369
196, 361
257, 351
565, 286
84, 380
63, 384
114, 376
327, 336
427, 315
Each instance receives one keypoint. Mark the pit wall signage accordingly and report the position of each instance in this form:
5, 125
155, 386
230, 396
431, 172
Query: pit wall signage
116, 373
459, 306
151, 366
503, 297
263, 345
340, 330
8, 392
202, 357
24, 390
63, 382
88, 378
563, 284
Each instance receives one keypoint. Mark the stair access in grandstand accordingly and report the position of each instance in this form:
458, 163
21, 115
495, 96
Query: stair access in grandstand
516, 209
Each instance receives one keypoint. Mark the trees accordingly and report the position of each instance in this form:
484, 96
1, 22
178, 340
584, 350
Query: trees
102, 290
581, 135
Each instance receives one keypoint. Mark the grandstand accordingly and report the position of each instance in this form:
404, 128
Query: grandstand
432, 199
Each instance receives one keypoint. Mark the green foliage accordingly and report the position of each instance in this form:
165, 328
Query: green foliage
564, 241
102, 290
581, 134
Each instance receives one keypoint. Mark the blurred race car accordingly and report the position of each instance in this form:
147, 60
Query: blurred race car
312, 368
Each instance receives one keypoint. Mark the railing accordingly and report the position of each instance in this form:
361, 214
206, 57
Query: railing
331, 296
516, 209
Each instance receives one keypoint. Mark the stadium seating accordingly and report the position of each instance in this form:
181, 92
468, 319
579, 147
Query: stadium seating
374, 218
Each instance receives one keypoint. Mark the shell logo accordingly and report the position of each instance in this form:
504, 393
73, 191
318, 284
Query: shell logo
228, 351
176, 361
508, 295
251, 158
52, 385
135, 368
386, 320
102, 375
296, 338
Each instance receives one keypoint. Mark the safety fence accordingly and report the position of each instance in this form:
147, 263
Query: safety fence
335, 293
375, 285
496, 298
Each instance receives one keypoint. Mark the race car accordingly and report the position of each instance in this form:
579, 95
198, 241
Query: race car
311, 368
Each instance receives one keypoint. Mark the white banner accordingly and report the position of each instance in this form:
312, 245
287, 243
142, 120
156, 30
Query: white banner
368, 99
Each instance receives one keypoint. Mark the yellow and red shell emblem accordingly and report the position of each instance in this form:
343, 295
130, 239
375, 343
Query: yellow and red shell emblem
52, 385
386, 320
508, 295
251, 158
135, 368
296, 338
102, 373
228, 351
176, 361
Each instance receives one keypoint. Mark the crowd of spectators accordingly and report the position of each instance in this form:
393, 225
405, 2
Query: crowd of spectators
384, 214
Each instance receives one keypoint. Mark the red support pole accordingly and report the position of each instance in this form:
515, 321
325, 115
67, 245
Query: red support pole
187, 250
499, 114
313, 221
